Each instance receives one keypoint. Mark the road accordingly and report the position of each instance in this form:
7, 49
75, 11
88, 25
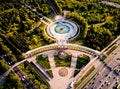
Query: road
26, 81
32, 58
97, 68
87, 79
18, 63
111, 3
32, 51
53, 7
107, 77
7, 72
40, 14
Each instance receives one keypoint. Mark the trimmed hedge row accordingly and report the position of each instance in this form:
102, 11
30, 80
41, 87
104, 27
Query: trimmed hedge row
37, 75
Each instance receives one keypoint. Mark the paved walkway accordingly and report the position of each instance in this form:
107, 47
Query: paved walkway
44, 21
51, 60
112, 4
71, 46
59, 82
34, 10
47, 19
65, 13
53, 7
73, 62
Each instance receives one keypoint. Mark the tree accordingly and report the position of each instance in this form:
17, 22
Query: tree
98, 37
80, 20
13, 82
3, 66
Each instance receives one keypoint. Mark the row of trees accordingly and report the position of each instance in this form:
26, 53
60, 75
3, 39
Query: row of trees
7, 47
57, 7
37, 79
16, 22
98, 37
20, 41
17, 19
5, 50
80, 20
3, 66
40, 5
16, 37
12, 82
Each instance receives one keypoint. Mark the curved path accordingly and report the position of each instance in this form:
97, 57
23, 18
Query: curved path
55, 69
55, 46
29, 59
35, 11
53, 7
33, 53
112, 4
9, 70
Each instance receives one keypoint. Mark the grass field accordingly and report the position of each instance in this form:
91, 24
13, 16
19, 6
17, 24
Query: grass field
43, 61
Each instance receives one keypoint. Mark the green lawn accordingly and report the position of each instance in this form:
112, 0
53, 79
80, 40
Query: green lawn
103, 58
82, 61
50, 73
76, 72
62, 62
43, 61
111, 50
78, 41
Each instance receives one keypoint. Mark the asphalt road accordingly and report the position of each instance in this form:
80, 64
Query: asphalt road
112, 4
28, 83
107, 78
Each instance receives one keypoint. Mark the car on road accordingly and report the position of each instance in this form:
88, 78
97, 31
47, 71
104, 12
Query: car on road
71, 84
101, 80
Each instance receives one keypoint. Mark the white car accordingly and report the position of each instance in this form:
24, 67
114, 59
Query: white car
72, 84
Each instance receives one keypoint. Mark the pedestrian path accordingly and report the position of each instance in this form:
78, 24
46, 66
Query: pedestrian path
59, 82
34, 10
47, 19
44, 21
65, 13
73, 61
52, 63
51, 60
112, 4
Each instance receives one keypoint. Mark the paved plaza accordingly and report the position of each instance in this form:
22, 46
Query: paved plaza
59, 82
